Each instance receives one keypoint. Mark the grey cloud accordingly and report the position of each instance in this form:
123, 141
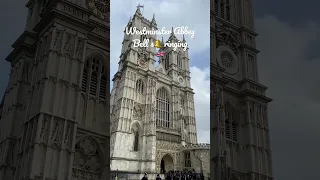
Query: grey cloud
292, 79
12, 17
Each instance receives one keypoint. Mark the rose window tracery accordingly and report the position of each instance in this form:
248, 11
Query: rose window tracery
87, 162
226, 59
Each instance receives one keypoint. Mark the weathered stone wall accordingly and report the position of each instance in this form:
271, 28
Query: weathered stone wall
200, 158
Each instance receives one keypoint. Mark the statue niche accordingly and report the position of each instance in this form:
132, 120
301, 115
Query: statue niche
137, 112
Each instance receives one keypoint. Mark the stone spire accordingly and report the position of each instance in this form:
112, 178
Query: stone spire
153, 21
138, 12
130, 21
172, 36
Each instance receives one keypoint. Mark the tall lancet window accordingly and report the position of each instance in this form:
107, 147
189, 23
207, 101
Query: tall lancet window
187, 159
230, 123
136, 141
139, 86
135, 133
228, 10
179, 60
223, 9
94, 78
216, 6
166, 62
162, 108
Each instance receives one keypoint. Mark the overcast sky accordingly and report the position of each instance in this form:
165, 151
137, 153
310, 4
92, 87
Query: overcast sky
288, 64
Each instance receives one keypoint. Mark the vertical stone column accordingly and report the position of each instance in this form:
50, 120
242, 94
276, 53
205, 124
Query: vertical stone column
218, 133
150, 124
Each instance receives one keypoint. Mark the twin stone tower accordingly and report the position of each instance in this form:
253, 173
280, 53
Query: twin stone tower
153, 125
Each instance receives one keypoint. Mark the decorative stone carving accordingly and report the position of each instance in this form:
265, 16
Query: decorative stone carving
45, 129
181, 72
227, 59
168, 137
99, 7
79, 48
151, 128
68, 137
180, 80
182, 99
153, 86
87, 161
142, 59
137, 112
175, 91
57, 40
168, 145
225, 37
69, 44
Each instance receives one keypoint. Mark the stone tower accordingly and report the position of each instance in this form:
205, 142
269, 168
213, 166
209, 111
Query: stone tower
54, 122
240, 107
152, 108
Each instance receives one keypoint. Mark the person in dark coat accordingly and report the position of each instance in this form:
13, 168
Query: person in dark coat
158, 177
145, 177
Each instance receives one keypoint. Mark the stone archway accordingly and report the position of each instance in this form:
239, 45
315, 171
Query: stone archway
166, 164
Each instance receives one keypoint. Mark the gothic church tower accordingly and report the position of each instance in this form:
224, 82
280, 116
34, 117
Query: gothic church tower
53, 123
152, 108
240, 107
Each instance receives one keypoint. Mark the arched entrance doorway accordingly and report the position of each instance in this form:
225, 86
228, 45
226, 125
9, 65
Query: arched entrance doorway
166, 164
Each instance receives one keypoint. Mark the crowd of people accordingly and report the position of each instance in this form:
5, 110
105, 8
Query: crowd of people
184, 175
179, 175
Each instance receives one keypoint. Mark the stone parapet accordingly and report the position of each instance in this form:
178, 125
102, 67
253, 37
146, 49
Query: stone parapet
199, 146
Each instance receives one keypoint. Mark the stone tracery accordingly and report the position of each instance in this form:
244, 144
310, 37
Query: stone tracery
87, 161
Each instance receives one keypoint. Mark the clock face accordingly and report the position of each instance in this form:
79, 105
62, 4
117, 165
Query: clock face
99, 7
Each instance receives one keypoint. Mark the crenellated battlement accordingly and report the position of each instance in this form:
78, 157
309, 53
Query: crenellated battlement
196, 146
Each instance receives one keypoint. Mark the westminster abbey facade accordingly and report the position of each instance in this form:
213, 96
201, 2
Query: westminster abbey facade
153, 125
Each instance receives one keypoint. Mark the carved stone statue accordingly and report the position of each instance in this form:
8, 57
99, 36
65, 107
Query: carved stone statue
137, 112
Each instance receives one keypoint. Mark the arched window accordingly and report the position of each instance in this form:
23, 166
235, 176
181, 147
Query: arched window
139, 86
162, 108
179, 61
187, 159
94, 78
136, 141
230, 123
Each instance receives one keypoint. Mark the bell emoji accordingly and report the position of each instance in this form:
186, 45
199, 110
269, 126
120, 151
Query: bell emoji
157, 44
